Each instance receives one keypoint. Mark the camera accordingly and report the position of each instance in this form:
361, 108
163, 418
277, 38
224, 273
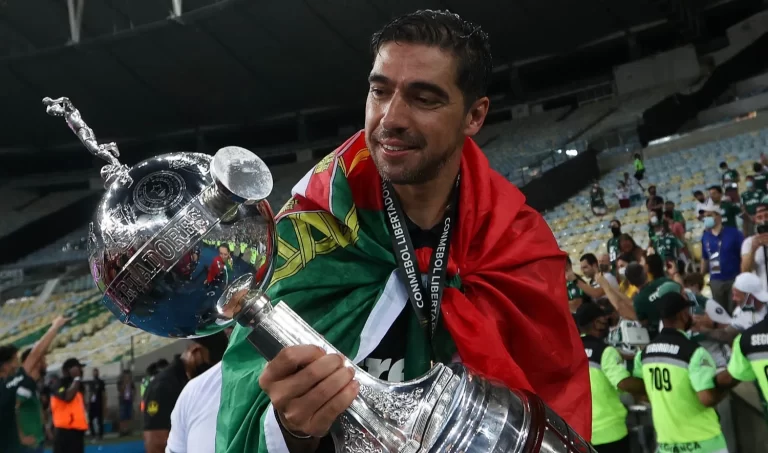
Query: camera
762, 228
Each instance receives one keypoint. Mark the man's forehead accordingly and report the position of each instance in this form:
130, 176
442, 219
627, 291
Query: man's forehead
404, 63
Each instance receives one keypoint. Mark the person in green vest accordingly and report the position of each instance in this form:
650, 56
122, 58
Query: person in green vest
749, 362
29, 410
607, 378
613, 243
728, 210
760, 177
639, 169
679, 378
750, 198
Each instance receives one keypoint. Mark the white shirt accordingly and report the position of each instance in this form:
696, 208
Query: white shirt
759, 266
193, 420
611, 280
622, 194
701, 207
743, 320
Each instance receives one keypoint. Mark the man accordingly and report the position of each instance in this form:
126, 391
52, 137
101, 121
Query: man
162, 393
12, 373
749, 361
653, 201
760, 177
644, 301
68, 410
96, 404
597, 200
427, 97
728, 210
750, 199
607, 376
754, 247
664, 242
573, 285
679, 380
29, 410
701, 203
720, 255
669, 207
220, 267
613, 243
590, 267
193, 420
730, 180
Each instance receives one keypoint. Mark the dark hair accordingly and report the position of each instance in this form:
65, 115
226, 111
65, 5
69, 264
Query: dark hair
25, 354
626, 236
751, 177
717, 189
627, 258
161, 363
698, 192
637, 155
568, 260
224, 246
151, 369
635, 274
618, 222
669, 202
694, 278
448, 31
7, 353
757, 167
590, 258
723, 164
655, 265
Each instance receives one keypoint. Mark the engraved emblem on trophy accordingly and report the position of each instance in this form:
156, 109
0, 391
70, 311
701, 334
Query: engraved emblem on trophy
184, 245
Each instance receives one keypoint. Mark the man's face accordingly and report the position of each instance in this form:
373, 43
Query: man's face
95, 373
75, 371
715, 195
587, 270
714, 216
415, 116
738, 296
669, 207
10, 367
700, 197
651, 191
224, 253
761, 216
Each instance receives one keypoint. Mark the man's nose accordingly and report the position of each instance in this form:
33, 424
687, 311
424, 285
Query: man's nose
396, 114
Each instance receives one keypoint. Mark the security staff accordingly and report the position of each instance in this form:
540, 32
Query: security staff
607, 376
749, 361
68, 410
163, 391
679, 377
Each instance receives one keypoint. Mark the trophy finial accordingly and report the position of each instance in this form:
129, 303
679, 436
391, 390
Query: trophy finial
114, 171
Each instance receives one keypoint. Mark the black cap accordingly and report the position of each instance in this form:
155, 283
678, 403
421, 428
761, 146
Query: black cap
670, 304
216, 345
71, 362
587, 313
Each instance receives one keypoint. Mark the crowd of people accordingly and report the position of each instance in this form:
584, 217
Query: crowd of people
650, 331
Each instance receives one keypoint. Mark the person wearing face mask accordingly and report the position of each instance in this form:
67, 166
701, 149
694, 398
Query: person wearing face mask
720, 255
613, 243
625, 287
753, 250
750, 199
679, 379
728, 210
607, 377
162, 393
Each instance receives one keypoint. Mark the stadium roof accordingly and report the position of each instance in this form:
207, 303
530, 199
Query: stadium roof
138, 68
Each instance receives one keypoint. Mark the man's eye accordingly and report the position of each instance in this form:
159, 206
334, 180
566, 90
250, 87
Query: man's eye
425, 101
376, 91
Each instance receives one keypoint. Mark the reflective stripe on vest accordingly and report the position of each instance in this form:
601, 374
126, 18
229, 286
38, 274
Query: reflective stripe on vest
69, 415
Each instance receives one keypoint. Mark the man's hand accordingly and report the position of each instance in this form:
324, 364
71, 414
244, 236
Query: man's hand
702, 323
28, 441
59, 322
759, 241
570, 276
309, 389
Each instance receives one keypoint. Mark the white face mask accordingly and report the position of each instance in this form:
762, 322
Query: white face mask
622, 271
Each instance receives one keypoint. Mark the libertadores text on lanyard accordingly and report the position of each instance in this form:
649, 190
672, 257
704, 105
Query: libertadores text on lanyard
427, 312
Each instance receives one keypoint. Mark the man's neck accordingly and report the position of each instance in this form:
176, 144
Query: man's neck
717, 229
425, 203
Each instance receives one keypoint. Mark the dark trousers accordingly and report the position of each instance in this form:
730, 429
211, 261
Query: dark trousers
68, 441
620, 446
96, 420
721, 292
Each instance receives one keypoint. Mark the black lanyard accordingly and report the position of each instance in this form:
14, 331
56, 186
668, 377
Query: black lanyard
427, 311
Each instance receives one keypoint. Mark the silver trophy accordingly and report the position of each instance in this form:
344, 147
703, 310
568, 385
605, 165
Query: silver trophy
183, 245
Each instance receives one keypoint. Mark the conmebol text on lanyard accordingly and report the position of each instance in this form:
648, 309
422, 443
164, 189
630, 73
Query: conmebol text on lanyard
405, 254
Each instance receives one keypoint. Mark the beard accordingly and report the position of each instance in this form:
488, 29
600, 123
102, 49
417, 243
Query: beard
201, 368
688, 324
418, 167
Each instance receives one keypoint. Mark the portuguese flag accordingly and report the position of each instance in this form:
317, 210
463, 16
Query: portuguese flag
504, 312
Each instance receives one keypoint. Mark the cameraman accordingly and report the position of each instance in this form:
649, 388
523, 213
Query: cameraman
753, 248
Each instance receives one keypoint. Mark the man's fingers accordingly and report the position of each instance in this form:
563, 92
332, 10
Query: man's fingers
313, 375
321, 421
324, 391
288, 361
